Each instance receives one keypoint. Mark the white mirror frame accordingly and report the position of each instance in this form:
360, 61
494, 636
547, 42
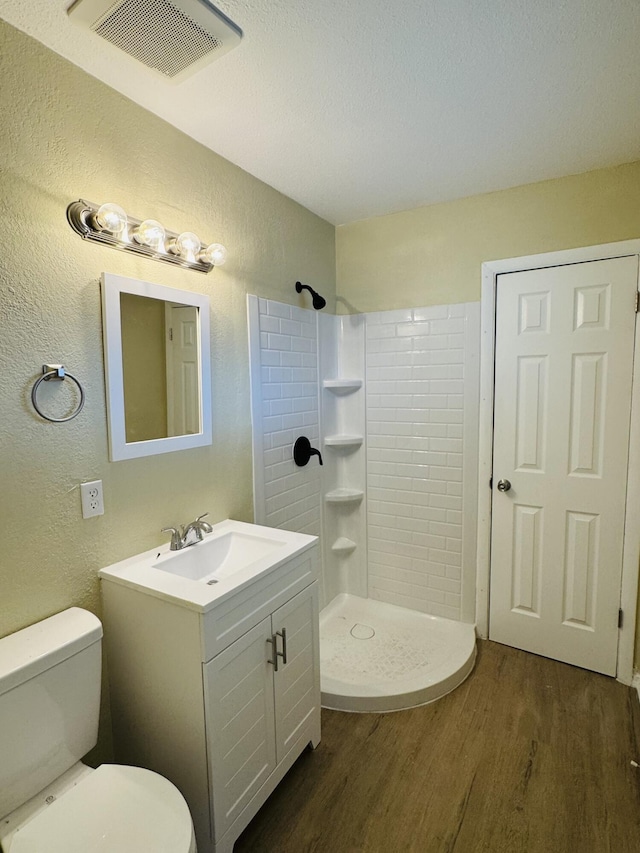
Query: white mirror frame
119, 448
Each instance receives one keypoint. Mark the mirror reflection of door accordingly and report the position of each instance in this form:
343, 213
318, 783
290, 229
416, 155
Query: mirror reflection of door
183, 400
160, 368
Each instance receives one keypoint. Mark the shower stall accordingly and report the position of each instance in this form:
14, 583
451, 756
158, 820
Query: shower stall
389, 400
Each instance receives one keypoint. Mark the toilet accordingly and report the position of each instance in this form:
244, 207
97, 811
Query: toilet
49, 800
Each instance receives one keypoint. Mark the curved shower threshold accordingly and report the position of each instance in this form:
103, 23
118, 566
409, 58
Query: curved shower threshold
379, 657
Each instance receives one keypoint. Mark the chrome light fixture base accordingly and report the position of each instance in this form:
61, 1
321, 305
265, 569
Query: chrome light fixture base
81, 216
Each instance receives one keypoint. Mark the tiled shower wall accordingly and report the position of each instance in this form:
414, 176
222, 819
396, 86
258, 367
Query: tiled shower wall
285, 405
422, 414
422, 401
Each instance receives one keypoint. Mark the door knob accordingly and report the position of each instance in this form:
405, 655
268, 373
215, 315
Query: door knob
504, 485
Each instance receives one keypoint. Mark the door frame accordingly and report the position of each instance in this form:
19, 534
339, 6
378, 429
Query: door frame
631, 546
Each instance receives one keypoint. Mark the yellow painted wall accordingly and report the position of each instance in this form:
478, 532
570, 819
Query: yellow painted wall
63, 136
432, 255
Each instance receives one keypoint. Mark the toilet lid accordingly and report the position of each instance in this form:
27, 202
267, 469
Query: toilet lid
115, 809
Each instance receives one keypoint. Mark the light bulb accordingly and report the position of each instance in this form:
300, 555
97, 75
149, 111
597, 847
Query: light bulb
150, 233
110, 217
215, 254
187, 245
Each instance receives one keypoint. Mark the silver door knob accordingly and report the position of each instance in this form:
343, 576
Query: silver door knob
504, 485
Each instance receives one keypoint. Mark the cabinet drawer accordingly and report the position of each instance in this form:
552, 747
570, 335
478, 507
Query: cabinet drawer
239, 613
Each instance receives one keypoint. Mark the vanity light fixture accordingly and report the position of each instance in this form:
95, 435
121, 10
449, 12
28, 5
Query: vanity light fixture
186, 245
110, 225
150, 233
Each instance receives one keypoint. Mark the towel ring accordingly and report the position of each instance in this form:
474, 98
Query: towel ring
56, 371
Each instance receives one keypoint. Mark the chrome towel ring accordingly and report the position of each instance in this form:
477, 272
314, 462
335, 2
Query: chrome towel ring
57, 372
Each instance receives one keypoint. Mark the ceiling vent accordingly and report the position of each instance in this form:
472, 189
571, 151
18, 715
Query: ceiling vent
175, 38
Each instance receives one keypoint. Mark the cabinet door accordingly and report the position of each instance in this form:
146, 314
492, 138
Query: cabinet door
297, 683
238, 686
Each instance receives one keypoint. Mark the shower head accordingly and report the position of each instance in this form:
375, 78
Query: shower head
318, 301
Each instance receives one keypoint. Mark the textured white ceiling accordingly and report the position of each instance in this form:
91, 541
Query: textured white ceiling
357, 108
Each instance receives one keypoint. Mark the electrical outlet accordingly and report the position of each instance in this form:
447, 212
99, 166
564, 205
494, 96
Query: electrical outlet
92, 500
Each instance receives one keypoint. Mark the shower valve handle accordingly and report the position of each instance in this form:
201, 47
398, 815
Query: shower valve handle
302, 451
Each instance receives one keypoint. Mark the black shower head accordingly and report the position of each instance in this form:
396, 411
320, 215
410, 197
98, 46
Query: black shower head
318, 301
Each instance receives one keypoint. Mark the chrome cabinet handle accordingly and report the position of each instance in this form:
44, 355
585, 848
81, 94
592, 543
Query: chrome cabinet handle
504, 485
283, 653
273, 639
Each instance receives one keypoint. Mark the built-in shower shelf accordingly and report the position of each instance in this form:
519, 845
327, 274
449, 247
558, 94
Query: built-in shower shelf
343, 546
344, 496
342, 386
343, 440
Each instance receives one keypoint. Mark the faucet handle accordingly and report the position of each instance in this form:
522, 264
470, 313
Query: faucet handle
204, 525
176, 537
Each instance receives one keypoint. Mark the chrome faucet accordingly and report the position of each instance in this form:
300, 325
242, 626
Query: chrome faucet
189, 534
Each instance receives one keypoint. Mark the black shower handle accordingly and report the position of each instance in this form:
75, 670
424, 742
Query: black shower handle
302, 451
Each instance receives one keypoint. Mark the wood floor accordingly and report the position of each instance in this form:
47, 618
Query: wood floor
527, 755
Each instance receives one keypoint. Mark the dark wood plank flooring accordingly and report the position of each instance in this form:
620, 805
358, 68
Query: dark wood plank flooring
527, 755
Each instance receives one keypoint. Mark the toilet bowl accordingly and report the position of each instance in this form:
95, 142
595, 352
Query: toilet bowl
49, 800
113, 808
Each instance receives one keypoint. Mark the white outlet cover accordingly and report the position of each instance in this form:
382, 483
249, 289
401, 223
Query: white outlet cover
92, 499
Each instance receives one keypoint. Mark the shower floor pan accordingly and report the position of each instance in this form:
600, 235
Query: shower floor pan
378, 657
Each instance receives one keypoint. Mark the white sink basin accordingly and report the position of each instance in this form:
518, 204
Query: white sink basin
202, 575
218, 557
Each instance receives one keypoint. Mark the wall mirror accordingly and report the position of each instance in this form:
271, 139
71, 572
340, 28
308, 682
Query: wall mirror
157, 367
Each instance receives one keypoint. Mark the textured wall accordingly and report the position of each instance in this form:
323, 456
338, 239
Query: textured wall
432, 255
64, 136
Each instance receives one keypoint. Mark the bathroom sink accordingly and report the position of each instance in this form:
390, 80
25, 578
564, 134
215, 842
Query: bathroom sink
218, 557
230, 558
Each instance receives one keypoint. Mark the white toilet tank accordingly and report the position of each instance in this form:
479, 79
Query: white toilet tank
49, 702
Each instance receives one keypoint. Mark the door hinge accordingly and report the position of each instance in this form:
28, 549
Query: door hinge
490, 482
620, 618
637, 301
170, 333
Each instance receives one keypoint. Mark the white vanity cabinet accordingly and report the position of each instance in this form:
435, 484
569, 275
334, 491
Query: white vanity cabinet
255, 719
197, 695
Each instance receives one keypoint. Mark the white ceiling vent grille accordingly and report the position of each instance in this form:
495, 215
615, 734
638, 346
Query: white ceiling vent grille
173, 37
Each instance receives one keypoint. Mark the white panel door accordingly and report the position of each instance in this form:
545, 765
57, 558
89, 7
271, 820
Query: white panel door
296, 683
183, 391
564, 357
